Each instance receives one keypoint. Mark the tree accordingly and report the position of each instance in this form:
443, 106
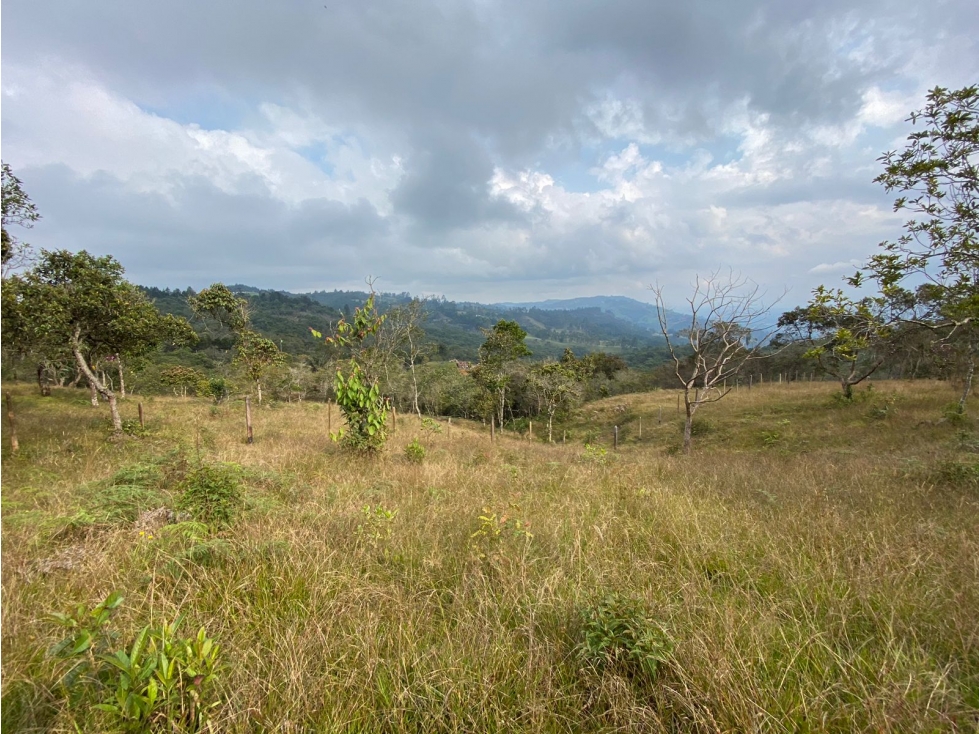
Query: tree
849, 339
18, 209
558, 386
82, 303
934, 265
253, 352
725, 313
504, 345
404, 338
358, 392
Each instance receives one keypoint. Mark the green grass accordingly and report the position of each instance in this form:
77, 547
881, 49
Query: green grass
813, 564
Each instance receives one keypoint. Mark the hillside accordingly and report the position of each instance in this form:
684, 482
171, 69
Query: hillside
635, 312
455, 327
810, 568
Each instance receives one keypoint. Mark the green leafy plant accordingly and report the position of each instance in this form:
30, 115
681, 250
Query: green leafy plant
618, 633
211, 493
87, 639
161, 682
358, 392
415, 452
493, 527
376, 525
597, 455
431, 425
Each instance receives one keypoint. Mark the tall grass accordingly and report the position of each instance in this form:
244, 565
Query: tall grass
816, 565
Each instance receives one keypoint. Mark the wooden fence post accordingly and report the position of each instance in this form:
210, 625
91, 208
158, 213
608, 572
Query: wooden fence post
751, 379
492, 428
139, 407
14, 443
249, 438
531, 431
329, 416
394, 419
640, 426
615, 439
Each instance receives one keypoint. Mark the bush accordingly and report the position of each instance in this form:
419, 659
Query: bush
415, 452
699, 427
160, 682
211, 493
618, 633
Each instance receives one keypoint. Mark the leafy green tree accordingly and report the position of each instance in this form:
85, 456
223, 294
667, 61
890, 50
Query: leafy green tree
849, 339
18, 209
358, 391
504, 345
83, 303
933, 268
253, 352
558, 386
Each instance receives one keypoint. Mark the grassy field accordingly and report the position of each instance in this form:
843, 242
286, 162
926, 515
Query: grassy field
812, 567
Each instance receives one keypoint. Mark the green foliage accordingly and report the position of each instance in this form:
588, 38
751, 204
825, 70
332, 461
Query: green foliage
431, 425
597, 455
376, 524
18, 209
957, 473
253, 352
79, 305
619, 634
161, 682
698, 426
358, 394
211, 493
939, 181
364, 409
493, 528
415, 452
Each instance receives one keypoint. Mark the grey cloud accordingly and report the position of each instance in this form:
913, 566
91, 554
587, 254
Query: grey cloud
446, 185
200, 233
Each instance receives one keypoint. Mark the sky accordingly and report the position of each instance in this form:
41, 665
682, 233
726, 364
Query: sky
490, 150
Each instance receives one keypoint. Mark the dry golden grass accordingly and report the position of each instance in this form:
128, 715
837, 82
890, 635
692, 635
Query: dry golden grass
816, 564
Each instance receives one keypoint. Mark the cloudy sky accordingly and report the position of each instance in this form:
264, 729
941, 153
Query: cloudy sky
485, 150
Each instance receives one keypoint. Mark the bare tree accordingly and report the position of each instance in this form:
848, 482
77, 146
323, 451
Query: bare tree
403, 337
726, 314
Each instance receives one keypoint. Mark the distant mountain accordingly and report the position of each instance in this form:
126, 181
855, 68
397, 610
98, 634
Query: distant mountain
635, 312
455, 327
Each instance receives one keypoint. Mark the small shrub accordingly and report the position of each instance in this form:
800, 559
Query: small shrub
376, 525
770, 438
493, 528
958, 473
159, 682
597, 455
953, 414
431, 425
211, 493
699, 427
617, 632
415, 452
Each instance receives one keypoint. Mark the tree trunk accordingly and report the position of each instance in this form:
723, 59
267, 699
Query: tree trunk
100, 387
414, 384
968, 384
122, 379
847, 389
95, 394
550, 425
42, 383
688, 424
